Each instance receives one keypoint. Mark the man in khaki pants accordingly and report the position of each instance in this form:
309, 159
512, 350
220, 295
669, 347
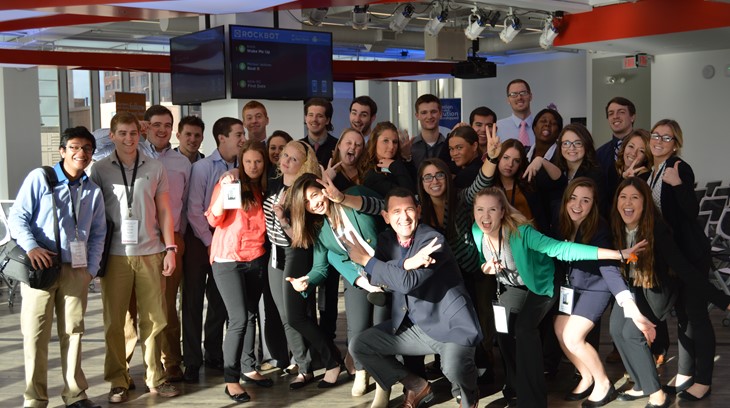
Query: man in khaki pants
79, 209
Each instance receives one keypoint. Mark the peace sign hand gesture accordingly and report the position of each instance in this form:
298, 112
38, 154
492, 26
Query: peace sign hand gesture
633, 171
423, 257
494, 146
331, 170
329, 190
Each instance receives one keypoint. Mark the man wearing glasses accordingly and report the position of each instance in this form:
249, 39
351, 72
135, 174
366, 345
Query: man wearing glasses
79, 206
519, 124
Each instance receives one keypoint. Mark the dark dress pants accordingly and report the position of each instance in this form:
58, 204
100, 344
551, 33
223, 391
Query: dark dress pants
521, 348
696, 336
198, 283
360, 313
240, 285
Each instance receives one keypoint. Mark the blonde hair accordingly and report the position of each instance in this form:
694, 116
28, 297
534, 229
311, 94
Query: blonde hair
512, 218
310, 163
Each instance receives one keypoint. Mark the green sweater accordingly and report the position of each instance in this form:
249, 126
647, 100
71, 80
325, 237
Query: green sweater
532, 253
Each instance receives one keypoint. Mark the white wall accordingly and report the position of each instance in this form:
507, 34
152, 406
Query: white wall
561, 81
701, 106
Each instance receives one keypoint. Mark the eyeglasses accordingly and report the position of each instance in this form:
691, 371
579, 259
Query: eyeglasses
76, 149
575, 143
663, 138
429, 177
516, 94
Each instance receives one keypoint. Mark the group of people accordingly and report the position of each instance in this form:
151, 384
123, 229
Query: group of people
499, 231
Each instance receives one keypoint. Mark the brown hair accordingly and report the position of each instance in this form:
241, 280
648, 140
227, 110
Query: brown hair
512, 218
519, 181
250, 187
123, 118
305, 225
589, 160
648, 162
645, 276
589, 226
372, 156
360, 164
428, 211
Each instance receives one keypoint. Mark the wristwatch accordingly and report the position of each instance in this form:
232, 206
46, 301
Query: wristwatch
172, 248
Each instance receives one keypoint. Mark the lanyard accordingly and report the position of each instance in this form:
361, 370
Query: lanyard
76, 205
129, 189
655, 176
499, 243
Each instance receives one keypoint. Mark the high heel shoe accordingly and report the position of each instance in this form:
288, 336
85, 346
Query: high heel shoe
689, 397
572, 396
674, 389
265, 382
360, 385
306, 379
242, 397
326, 384
610, 396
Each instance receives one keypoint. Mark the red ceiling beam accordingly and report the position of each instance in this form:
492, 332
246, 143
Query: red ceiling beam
643, 18
33, 4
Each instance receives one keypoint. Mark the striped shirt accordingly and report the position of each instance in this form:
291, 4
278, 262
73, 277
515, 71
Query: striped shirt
276, 234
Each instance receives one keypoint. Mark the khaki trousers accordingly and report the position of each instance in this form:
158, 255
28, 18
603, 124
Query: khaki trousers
143, 276
68, 296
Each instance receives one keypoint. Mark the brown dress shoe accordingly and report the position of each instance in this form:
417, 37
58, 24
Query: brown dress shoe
421, 399
173, 374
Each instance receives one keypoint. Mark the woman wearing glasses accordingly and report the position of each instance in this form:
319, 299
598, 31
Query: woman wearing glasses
672, 186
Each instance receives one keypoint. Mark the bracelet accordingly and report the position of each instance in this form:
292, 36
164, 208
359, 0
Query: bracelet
621, 254
340, 201
493, 160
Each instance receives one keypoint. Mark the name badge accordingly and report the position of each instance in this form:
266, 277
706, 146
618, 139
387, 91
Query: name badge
566, 300
231, 196
500, 318
78, 254
130, 232
273, 256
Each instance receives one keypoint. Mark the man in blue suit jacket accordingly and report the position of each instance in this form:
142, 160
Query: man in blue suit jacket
431, 310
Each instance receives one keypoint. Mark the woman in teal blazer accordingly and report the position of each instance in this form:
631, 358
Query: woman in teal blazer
521, 258
324, 218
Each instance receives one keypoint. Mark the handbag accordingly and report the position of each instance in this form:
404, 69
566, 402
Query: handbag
15, 262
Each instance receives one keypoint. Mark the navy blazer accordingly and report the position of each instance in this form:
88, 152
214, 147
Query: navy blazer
434, 298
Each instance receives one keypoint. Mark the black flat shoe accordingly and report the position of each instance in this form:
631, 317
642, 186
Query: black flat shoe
581, 395
266, 382
610, 396
242, 397
622, 396
295, 385
689, 397
666, 404
674, 389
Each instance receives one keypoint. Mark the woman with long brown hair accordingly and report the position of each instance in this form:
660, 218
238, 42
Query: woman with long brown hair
655, 280
385, 167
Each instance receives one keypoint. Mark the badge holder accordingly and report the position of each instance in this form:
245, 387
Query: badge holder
501, 315
231, 195
567, 295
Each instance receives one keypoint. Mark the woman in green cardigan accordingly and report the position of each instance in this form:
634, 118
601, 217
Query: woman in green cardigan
325, 219
521, 258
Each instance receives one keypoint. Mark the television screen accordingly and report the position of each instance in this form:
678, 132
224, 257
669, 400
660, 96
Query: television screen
269, 63
198, 66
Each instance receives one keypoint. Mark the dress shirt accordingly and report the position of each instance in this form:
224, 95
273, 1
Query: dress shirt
178, 176
509, 128
31, 217
203, 178
420, 150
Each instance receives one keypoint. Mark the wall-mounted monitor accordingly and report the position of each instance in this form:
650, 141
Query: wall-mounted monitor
198, 66
278, 64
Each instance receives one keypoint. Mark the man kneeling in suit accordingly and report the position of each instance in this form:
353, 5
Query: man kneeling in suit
431, 310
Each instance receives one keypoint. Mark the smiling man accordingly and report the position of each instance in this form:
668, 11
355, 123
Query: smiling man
136, 197
430, 142
318, 119
190, 136
255, 120
431, 311
82, 227
363, 111
519, 124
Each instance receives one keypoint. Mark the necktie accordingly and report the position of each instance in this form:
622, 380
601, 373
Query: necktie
616, 150
316, 146
524, 138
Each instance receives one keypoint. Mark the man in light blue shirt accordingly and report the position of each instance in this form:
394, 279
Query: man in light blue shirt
198, 282
82, 228
519, 124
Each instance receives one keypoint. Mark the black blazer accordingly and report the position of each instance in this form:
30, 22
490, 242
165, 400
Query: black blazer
434, 298
324, 152
672, 269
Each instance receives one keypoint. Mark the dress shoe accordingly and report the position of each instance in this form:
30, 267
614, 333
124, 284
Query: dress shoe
674, 389
689, 397
382, 397
264, 382
131, 385
623, 396
242, 397
301, 381
84, 403
571, 396
610, 396
327, 384
414, 400
666, 404
360, 385
118, 395
173, 374
192, 374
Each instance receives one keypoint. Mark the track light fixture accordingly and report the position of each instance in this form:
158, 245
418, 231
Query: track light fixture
317, 15
549, 32
512, 27
399, 23
478, 23
437, 23
360, 17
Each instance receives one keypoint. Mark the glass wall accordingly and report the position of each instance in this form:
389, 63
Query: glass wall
50, 117
79, 98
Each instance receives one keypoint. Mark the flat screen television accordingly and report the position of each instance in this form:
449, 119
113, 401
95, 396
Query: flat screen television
198, 66
278, 64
